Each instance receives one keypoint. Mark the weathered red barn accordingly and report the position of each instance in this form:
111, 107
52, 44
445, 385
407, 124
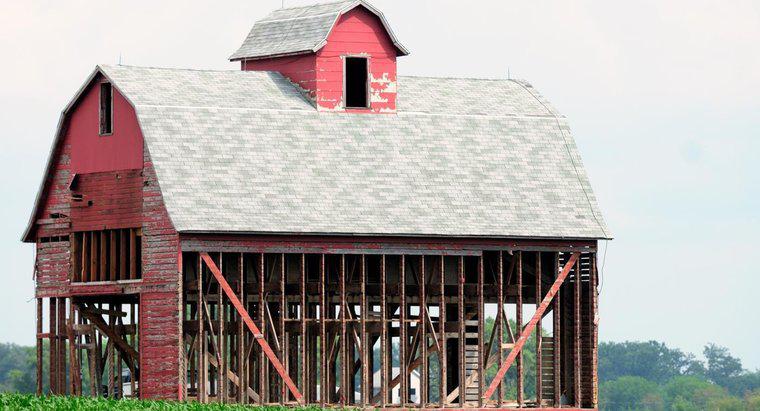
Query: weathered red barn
316, 229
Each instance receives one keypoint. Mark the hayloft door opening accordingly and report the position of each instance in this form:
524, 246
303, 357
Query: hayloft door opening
356, 91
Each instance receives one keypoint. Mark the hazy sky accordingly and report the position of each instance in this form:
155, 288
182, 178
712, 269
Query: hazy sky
663, 99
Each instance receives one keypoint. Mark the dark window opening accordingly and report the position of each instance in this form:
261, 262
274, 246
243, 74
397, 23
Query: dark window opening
356, 83
106, 109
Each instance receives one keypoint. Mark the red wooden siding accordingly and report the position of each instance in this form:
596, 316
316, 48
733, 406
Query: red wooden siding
301, 70
109, 200
161, 375
92, 153
52, 267
358, 33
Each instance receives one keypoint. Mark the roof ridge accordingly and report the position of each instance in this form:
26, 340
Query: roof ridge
186, 69
518, 81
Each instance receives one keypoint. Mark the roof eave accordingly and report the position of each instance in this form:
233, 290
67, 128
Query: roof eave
407, 235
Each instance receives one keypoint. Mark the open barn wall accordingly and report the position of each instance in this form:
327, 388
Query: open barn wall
327, 299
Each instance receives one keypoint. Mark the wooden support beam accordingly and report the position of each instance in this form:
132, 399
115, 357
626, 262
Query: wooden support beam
102, 272
202, 344
221, 345
242, 364
499, 317
113, 265
132, 254
403, 361
366, 350
539, 371
577, 390
252, 327
344, 375
482, 354
39, 346
519, 321
96, 320
304, 339
556, 336
594, 332
323, 332
531, 325
53, 348
93, 256
283, 345
461, 330
442, 351
422, 325
383, 336
263, 368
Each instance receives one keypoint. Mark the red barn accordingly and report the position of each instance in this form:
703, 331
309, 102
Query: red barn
316, 229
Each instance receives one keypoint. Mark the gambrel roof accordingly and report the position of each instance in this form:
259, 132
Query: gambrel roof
300, 30
462, 157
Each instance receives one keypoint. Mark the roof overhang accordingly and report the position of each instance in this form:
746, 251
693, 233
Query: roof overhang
400, 48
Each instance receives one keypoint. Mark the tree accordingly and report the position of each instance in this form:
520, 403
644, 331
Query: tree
650, 360
721, 365
692, 390
630, 393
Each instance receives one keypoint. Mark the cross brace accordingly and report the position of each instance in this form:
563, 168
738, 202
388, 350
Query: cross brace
528, 330
252, 327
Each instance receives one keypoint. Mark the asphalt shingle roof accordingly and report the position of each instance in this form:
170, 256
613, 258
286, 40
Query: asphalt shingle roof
239, 151
299, 30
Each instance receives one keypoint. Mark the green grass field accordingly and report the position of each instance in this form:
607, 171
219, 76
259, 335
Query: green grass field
32, 402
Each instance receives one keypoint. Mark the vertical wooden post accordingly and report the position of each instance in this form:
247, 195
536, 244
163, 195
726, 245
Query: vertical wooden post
93, 257
366, 350
123, 255
305, 389
423, 394
442, 353
221, 370
242, 371
594, 332
62, 345
384, 378
113, 266
76, 258
403, 340
461, 330
39, 346
323, 333
263, 368
500, 321
283, 337
557, 337
53, 347
539, 385
202, 347
481, 332
344, 385
132, 254
519, 320
577, 334
103, 273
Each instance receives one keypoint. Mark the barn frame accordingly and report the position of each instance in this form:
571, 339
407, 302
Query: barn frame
151, 285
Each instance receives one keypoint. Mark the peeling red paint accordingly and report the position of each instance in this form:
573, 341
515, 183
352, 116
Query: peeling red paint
356, 33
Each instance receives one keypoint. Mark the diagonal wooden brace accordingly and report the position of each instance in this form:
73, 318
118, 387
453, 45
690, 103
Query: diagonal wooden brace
530, 327
251, 326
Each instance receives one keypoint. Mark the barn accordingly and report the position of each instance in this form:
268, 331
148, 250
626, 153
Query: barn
316, 229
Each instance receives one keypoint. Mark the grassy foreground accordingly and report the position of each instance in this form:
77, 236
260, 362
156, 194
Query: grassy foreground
32, 402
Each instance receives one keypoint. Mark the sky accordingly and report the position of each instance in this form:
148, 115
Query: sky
663, 99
